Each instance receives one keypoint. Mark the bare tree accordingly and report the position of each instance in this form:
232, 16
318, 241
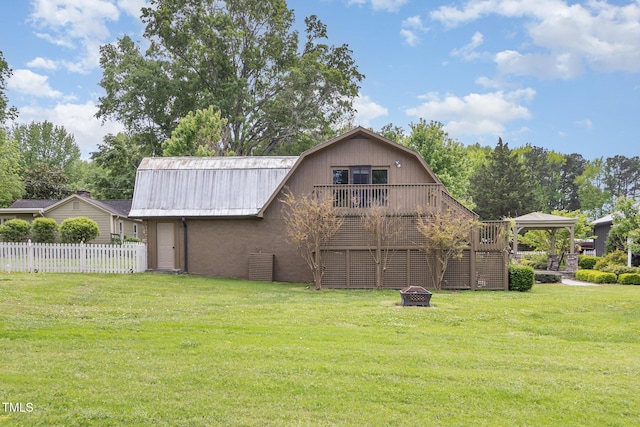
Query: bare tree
385, 228
310, 221
446, 235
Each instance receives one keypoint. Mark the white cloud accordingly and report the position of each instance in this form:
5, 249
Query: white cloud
411, 27
132, 7
387, 5
468, 52
475, 114
367, 110
70, 23
77, 18
489, 83
26, 82
77, 119
44, 63
586, 123
602, 35
544, 66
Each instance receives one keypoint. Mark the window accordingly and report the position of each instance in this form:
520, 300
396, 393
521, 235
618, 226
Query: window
360, 197
135, 230
340, 176
361, 174
379, 176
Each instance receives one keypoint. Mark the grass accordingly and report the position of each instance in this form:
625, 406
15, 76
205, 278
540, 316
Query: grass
168, 350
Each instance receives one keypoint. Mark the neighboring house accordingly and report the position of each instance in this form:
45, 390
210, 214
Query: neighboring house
222, 216
601, 229
110, 215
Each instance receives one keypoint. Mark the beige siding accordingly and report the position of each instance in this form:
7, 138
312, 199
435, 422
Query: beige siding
102, 218
26, 217
317, 168
127, 227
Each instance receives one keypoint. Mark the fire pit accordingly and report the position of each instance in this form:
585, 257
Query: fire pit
415, 296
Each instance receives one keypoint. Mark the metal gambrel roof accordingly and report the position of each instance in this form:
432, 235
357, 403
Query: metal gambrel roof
206, 186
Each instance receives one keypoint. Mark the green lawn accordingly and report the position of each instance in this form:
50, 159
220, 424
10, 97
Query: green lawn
154, 350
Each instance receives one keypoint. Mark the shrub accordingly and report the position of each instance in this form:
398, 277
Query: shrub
132, 240
620, 269
629, 279
548, 278
595, 276
587, 262
521, 278
612, 258
44, 230
79, 229
538, 262
16, 230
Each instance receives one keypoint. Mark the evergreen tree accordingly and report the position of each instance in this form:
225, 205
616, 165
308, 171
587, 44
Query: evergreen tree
574, 165
502, 188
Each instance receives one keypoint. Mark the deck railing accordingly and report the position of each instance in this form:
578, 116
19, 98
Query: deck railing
400, 198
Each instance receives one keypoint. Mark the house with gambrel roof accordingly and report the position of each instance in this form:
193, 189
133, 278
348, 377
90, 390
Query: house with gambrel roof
223, 216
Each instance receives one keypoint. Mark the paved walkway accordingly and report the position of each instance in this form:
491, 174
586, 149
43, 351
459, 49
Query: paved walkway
573, 282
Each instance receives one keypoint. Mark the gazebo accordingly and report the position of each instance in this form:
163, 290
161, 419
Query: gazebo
543, 221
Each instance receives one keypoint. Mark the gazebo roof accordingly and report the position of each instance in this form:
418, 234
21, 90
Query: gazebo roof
543, 221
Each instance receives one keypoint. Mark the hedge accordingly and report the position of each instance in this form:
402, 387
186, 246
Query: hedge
586, 262
44, 230
78, 229
629, 279
595, 276
521, 278
15, 230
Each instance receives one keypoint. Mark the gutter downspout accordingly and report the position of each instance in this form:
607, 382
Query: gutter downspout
186, 245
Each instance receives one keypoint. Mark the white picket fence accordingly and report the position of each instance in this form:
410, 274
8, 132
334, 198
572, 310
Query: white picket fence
73, 258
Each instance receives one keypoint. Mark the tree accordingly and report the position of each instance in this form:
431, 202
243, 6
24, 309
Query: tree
11, 185
446, 157
43, 181
238, 56
15, 230
445, 236
115, 164
394, 133
622, 176
310, 222
199, 133
78, 230
545, 168
6, 112
594, 198
46, 144
625, 231
44, 230
502, 188
572, 168
385, 229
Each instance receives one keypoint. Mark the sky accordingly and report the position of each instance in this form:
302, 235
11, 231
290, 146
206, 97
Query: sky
556, 74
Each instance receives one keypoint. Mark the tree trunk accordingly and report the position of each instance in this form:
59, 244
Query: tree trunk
317, 271
379, 273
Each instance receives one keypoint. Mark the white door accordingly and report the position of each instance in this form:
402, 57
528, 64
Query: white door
166, 246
